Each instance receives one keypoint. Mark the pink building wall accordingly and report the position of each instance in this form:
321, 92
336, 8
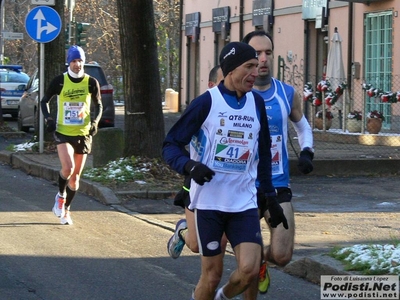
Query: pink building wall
289, 33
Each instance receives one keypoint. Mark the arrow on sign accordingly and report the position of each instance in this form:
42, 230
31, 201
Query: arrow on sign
49, 27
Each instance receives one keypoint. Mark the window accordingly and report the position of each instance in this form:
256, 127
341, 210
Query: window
378, 58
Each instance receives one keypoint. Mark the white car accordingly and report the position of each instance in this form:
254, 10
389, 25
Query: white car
12, 84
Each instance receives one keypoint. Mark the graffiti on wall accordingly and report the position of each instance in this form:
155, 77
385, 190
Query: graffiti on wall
291, 70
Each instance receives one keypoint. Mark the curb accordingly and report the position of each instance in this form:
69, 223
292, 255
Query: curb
50, 173
308, 268
13, 134
353, 167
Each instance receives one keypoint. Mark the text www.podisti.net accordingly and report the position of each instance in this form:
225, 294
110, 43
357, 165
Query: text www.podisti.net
359, 287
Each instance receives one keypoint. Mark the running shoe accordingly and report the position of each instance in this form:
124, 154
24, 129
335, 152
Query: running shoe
66, 219
264, 278
176, 243
59, 206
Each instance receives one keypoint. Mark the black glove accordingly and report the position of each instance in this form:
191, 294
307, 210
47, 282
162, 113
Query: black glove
50, 125
182, 197
199, 172
305, 161
93, 129
276, 213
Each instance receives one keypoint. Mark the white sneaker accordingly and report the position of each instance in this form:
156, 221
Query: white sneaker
66, 219
59, 206
175, 244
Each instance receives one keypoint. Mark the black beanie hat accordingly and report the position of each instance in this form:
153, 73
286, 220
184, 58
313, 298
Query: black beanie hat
234, 54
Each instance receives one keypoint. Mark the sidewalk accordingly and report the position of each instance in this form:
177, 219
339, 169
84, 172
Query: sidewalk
329, 210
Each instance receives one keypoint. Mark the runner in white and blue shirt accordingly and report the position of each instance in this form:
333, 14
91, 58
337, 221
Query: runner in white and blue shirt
227, 130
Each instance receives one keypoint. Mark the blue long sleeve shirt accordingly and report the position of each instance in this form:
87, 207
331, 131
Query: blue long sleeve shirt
175, 153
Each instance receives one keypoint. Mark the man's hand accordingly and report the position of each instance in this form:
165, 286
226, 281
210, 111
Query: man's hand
276, 213
305, 161
93, 129
199, 172
50, 125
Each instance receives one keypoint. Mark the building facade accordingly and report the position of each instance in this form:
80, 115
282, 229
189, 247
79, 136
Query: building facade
303, 31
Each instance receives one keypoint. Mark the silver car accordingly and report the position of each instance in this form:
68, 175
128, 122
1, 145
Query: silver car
28, 109
12, 84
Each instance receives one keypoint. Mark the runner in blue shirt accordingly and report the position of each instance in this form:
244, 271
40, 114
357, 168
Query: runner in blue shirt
282, 103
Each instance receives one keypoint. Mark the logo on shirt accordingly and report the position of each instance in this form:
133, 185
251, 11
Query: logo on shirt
222, 114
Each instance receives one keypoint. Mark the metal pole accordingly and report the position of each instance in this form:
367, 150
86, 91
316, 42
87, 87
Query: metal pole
168, 81
41, 93
70, 22
2, 29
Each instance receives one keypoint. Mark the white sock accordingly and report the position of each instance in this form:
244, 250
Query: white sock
193, 294
220, 295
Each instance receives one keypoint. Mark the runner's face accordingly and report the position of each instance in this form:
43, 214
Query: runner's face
76, 65
263, 46
244, 76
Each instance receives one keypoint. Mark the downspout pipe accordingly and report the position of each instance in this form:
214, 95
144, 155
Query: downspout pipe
180, 56
241, 23
306, 58
350, 47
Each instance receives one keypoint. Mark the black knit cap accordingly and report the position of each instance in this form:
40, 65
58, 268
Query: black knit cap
234, 54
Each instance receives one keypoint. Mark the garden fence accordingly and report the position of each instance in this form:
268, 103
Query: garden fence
337, 138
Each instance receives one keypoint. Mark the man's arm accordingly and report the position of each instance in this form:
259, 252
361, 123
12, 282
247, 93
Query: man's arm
180, 135
96, 99
264, 169
55, 88
296, 112
276, 215
304, 133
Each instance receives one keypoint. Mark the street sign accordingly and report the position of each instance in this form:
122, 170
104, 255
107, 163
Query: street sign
12, 35
43, 2
43, 24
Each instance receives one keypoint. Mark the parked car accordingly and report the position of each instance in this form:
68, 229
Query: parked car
28, 107
12, 84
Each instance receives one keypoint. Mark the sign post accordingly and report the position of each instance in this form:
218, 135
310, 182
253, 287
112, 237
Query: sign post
43, 24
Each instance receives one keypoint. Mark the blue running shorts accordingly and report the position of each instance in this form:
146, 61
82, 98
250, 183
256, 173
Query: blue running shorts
240, 227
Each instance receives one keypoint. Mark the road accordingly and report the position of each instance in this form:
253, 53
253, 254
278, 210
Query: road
106, 254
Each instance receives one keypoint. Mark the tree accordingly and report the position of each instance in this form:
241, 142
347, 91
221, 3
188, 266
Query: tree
167, 20
144, 126
54, 62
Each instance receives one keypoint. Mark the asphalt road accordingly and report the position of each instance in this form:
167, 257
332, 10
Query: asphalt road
106, 254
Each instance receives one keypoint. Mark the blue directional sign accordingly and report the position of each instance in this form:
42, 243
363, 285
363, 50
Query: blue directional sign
43, 24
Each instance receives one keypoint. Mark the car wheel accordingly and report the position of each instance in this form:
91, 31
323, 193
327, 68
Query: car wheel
20, 126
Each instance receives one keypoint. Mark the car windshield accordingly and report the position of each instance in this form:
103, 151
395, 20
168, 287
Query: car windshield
13, 77
97, 73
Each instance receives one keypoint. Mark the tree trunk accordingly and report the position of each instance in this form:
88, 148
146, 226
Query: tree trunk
54, 63
144, 122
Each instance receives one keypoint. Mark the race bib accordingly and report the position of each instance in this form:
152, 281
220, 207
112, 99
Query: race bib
276, 153
73, 113
232, 151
